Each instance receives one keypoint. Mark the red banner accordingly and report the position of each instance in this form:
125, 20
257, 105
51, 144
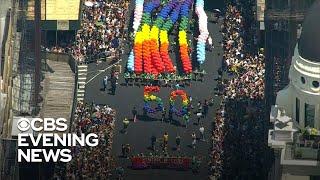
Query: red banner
161, 163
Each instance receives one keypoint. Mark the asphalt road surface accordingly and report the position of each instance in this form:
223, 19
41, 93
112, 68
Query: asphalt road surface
140, 132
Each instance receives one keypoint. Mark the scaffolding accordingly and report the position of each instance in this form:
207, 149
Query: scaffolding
23, 90
9, 167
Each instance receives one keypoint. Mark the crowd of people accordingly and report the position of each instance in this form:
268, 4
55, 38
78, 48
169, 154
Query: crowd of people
101, 33
248, 69
246, 154
237, 137
217, 139
102, 28
92, 162
57, 49
280, 72
238, 142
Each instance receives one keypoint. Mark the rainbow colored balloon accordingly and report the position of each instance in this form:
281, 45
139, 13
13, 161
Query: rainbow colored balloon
164, 40
150, 53
185, 103
159, 60
142, 53
138, 11
136, 23
148, 97
204, 33
183, 43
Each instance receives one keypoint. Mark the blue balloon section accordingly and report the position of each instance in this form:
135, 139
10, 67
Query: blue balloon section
147, 107
175, 14
180, 113
200, 3
201, 52
165, 11
130, 64
140, 2
151, 5
201, 46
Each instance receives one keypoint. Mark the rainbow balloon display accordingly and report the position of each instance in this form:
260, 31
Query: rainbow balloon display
164, 40
159, 60
148, 97
183, 43
204, 33
142, 53
136, 23
150, 54
185, 102
138, 11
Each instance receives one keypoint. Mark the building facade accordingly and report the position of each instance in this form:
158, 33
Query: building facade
295, 136
281, 26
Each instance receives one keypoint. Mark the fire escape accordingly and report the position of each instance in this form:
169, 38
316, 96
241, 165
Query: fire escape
24, 86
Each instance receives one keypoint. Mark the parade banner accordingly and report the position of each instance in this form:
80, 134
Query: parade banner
181, 163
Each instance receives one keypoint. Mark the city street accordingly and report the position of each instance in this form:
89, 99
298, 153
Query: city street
140, 132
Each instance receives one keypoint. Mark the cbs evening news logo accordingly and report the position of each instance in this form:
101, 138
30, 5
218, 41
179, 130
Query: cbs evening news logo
50, 134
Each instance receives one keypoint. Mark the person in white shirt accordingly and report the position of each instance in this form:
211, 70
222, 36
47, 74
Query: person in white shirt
194, 140
105, 83
108, 110
209, 40
210, 43
201, 130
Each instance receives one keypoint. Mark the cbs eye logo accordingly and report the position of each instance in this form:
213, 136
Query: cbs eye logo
23, 124
46, 124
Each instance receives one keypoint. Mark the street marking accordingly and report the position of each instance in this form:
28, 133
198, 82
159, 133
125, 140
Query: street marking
101, 71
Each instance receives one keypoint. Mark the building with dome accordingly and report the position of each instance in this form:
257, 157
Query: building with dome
295, 136
281, 26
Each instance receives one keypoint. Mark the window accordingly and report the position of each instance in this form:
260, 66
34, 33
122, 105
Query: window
315, 84
297, 110
309, 115
280, 5
303, 80
314, 177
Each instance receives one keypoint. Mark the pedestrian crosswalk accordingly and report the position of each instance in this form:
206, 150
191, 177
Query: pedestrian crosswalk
82, 78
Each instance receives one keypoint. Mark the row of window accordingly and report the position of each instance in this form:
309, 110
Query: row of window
309, 113
291, 4
315, 84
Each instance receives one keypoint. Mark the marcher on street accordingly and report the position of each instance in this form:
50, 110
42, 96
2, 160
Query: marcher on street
134, 114
178, 142
105, 83
194, 140
125, 125
201, 130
